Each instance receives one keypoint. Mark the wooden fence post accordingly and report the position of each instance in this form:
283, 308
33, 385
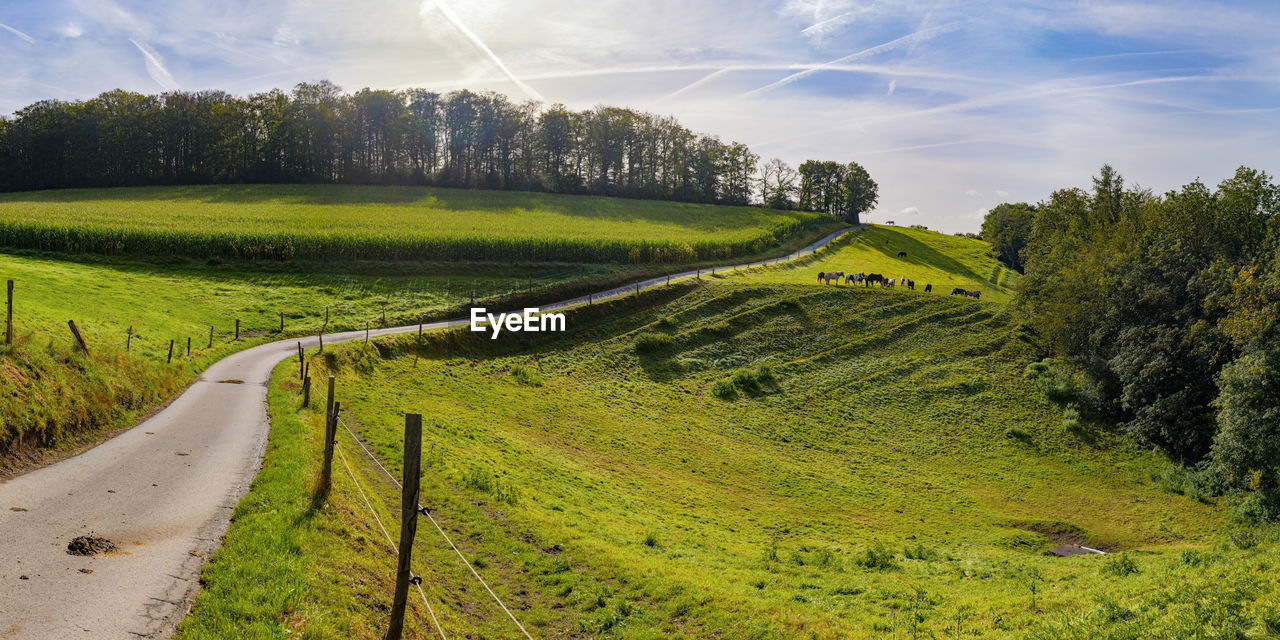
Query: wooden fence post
306, 371
408, 522
330, 435
366, 332
281, 322
170, 358
76, 332
306, 391
210, 336
188, 347
321, 337
128, 341
301, 360
331, 407
326, 318
8, 321
237, 328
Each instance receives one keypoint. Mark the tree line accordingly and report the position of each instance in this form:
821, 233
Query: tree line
1163, 312
319, 134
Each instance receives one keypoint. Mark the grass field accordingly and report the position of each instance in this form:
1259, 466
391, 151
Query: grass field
177, 300
389, 223
750, 458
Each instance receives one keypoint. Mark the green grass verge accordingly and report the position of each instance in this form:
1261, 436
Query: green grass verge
389, 223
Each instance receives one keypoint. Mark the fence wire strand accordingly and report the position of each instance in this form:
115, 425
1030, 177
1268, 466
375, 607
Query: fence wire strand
391, 542
427, 512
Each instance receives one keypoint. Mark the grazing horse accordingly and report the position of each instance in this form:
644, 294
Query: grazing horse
959, 292
828, 276
911, 284
928, 288
974, 294
902, 254
888, 283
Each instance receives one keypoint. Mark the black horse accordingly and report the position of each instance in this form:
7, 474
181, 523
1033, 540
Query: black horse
928, 288
958, 291
902, 254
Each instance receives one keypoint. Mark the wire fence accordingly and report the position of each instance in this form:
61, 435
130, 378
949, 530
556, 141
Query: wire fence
422, 510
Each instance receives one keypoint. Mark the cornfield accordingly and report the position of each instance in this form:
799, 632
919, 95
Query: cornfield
388, 223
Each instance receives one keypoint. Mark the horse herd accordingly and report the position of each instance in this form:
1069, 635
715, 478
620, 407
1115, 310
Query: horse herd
868, 279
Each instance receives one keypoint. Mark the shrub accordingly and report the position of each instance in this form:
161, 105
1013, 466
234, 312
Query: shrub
724, 389
1243, 538
920, 552
876, 558
650, 540
1119, 565
1017, 433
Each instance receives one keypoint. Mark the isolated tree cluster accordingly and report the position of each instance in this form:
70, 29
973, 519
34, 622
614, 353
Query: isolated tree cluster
1170, 306
319, 134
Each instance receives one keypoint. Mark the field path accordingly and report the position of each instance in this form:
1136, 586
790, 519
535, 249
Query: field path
163, 492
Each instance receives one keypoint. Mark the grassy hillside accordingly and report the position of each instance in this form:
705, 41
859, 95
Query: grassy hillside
740, 459
389, 223
945, 261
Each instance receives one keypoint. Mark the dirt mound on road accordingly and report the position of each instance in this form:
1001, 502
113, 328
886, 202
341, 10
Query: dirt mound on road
90, 545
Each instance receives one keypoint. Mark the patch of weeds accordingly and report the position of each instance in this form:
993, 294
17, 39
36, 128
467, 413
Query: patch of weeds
756, 381
526, 376
650, 540
1017, 433
1119, 565
724, 389
1243, 538
920, 552
876, 558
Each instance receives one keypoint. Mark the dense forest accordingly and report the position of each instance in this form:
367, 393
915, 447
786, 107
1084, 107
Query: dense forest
319, 134
1163, 312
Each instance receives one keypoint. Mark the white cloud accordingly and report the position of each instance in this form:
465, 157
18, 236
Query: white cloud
909, 211
155, 67
70, 30
15, 32
972, 192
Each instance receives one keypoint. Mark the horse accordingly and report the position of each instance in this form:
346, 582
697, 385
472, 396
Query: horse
902, 254
911, 284
928, 288
974, 294
889, 283
958, 291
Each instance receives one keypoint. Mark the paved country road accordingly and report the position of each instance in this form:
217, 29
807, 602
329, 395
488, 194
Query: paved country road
163, 491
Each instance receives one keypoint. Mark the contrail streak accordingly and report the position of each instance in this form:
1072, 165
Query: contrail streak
695, 84
909, 39
475, 40
15, 32
155, 67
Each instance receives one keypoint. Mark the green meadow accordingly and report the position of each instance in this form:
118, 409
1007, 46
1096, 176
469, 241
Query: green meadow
945, 261
390, 223
751, 455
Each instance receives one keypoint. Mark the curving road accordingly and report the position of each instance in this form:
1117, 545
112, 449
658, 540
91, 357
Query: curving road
163, 491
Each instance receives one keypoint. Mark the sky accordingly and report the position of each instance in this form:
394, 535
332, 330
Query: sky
952, 105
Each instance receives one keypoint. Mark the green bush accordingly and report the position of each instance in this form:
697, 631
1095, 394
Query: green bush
876, 558
526, 376
1119, 565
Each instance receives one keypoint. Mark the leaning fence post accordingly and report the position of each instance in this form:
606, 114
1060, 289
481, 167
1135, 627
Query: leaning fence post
301, 360
170, 358
128, 340
321, 337
306, 391
366, 332
408, 522
281, 322
188, 347
237, 328
210, 336
76, 332
8, 321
